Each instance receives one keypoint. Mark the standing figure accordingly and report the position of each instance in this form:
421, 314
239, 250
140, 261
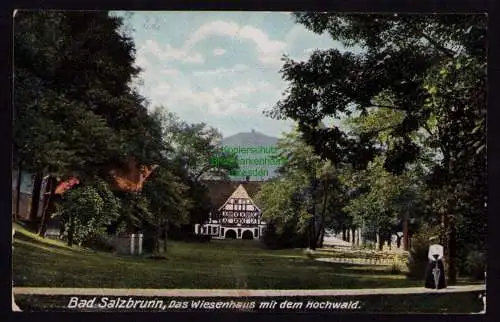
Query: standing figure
434, 275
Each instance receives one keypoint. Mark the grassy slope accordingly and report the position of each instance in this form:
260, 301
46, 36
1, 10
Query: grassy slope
218, 264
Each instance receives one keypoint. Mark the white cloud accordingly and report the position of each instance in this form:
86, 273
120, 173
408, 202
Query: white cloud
269, 51
232, 109
160, 90
194, 59
218, 52
230, 97
142, 62
223, 70
169, 53
212, 102
170, 72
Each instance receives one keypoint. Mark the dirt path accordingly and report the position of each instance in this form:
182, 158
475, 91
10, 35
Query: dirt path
233, 293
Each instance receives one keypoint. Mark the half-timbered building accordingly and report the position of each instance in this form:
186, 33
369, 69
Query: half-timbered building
237, 218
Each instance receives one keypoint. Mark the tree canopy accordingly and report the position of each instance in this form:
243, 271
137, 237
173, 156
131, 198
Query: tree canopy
427, 75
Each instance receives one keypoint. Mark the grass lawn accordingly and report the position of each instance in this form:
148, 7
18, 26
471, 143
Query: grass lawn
218, 264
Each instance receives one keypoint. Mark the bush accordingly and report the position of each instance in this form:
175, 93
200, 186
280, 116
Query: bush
398, 264
100, 242
288, 238
417, 261
395, 268
148, 243
475, 264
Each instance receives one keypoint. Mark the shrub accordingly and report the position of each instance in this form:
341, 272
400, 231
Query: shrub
475, 264
148, 243
399, 262
396, 268
99, 241
287, 238
85, 210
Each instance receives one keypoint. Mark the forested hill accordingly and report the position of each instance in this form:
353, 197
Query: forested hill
253, 140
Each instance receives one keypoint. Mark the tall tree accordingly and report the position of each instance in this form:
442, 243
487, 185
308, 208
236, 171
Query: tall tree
76, 114
195, 155
402, 55
169, 203
308, 196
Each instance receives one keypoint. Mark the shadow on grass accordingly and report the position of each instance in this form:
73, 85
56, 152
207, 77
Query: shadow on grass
232, 265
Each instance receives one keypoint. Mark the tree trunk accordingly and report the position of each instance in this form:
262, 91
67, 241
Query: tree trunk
380, 242
312, 235
353, 233
452, 255
450, 248
49, 200
35, 196
18, 192
344, 235
320, 234
166, 237
71, 230
321, 227
320, 237
406, 241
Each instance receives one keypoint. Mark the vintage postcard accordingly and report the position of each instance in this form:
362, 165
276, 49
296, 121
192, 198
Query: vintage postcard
249, 161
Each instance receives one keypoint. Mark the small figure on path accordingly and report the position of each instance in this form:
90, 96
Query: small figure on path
434, 275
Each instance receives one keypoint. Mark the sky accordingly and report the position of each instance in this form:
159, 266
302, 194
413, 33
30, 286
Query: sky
221, 68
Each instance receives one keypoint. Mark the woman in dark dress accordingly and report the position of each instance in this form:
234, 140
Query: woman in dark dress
435, 255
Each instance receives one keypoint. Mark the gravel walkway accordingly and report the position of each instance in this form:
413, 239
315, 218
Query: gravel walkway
234, 293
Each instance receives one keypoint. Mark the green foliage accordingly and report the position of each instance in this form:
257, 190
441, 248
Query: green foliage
136, 214
396, 268
196, 147
66, 65
287, 237
419, 251
475, 264
85, 212
169, 205
99, 240
306, 198
419, 86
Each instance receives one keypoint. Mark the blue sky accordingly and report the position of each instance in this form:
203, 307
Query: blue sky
221, 68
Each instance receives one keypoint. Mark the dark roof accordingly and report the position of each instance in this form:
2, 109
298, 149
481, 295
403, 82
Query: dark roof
220, 191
